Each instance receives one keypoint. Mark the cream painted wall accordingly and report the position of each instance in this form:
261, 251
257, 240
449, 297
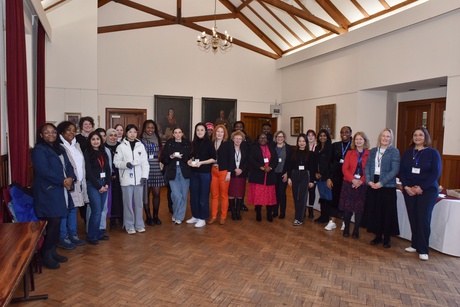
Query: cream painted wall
452, 122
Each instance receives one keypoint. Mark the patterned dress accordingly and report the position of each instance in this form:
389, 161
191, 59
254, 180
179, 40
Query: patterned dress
156, 178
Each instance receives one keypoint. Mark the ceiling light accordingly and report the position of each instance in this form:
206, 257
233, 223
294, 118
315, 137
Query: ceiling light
214, 42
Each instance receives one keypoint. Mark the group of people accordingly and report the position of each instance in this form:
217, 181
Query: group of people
118, 173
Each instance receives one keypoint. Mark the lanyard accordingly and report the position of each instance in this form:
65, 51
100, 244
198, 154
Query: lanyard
344, 151
313, 147
101, 162
264, 149
279, 150
416, 155
360, 158
150, 147
237, 156
379, 157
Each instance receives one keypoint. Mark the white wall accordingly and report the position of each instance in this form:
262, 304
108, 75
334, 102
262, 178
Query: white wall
71, 60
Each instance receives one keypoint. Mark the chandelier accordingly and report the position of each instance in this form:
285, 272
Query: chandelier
214, 42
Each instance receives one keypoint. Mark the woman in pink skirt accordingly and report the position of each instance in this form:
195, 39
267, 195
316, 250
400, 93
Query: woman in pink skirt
262, 162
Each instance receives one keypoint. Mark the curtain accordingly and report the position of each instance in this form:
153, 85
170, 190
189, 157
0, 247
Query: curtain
41, 112
16, 78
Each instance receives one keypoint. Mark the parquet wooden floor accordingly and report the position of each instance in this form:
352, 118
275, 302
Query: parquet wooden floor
247, 263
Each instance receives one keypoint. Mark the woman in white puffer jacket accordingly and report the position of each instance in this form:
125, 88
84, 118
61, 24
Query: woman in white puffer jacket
132, 162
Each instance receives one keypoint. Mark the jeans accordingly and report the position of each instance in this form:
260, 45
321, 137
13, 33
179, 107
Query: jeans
132, 218
69, 223
96, 203
179, 193
199, 194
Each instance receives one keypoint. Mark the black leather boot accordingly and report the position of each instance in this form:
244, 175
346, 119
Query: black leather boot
232, 208
243, 207
310, 213
239, 202
48, 260
357, 223
258, 213
270, 213
155, 218
148, 216
57, 257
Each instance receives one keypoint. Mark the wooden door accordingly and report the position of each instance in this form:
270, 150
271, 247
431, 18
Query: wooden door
426, 113
114, 116
253, 123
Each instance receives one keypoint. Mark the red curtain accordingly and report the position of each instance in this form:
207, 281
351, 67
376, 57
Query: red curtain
16, 78
41, 113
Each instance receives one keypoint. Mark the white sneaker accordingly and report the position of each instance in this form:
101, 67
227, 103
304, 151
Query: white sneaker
193, 220
177, 222
343, 226
331, 225
131, 231
200, 223
173, 219
410, 249
141, 229
423, 257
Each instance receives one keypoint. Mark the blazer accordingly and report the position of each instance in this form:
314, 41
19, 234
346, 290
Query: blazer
222, 156
49, 191
124, 155
256, 160
335, 169
350, 163
171, 146
389, 167
244, 159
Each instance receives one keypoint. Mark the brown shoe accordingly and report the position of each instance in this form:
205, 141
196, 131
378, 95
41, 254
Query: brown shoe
211, 220
222, 221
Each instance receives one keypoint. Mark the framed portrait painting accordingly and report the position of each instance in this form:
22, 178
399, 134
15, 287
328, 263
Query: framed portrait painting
171, 112
219, 111
72, 117
296, 125
325, 119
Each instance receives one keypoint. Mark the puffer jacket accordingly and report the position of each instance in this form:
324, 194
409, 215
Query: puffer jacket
124, 155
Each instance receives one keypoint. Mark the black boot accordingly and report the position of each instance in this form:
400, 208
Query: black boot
239, 202
270, 213
155, 218
387, 241
243, 207
48, 260
57, 257
324, 217
258, 213
275, 210
357, 223
310, 213
232, 208
346, 220
148, 216
377, 240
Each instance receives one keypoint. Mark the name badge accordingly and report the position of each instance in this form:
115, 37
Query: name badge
415, 170
357, 176
102, 175
150, 157
265, 160
177, 163
131, 175
301, 167
341, 161
280, 160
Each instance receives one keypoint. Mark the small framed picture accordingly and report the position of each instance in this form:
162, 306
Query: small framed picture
296, 125
325, 118
72, 117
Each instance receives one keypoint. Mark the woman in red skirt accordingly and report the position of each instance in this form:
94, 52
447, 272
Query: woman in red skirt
262, 164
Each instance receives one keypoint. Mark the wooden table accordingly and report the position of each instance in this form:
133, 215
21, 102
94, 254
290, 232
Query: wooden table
17, 246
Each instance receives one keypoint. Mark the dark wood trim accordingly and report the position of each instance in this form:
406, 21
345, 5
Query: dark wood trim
450, 174
4, 171
108, 111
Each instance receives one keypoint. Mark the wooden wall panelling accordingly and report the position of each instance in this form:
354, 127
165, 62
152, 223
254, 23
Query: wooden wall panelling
450, 174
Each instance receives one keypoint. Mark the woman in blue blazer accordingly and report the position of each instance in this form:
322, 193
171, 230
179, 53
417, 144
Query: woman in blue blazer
380, 172
53, 179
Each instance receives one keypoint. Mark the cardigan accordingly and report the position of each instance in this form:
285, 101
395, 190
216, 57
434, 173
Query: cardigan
244, 159
429, 163
389, 166
350, 163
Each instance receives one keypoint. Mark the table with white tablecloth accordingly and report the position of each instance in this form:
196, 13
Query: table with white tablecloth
445, 225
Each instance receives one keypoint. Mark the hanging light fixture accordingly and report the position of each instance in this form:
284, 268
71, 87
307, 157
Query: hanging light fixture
214, 42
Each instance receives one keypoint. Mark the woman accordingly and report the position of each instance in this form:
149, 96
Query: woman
53, 179
150, 137
283, 153
168, 124
303, 163
68, 237
262, 162
220, 175
419, 174
98, 180
381, 170
115, 198
323, 152
354, 187
132, 162
238, 158
120, 132
174, 156
334, 182
311, 137
202, 157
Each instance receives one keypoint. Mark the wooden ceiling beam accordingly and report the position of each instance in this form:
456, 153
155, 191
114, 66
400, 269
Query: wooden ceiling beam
133, 26
147, 10
305, 15
253, 27
210, 17
235, 41
243, 5
360, 8
385, 4
102, 2
393, 8
335, 14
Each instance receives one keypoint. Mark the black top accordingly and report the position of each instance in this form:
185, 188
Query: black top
256, 160
94, 166
113, 151
287, 163
243, 157
203, 149
303, 159
171, 146
82, 140
338, 152
323, 158
222, 156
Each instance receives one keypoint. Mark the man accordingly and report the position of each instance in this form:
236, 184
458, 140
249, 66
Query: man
222, 120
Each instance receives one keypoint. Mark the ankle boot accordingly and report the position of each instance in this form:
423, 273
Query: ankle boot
148, 216
48, 260
57, 257
310, 213
258, 213
346, 221
232, 208
357, 223
155, 218
270, 213
243, 207
239, 202
275, 210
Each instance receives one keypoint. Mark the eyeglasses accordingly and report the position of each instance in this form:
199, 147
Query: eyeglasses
49, 132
